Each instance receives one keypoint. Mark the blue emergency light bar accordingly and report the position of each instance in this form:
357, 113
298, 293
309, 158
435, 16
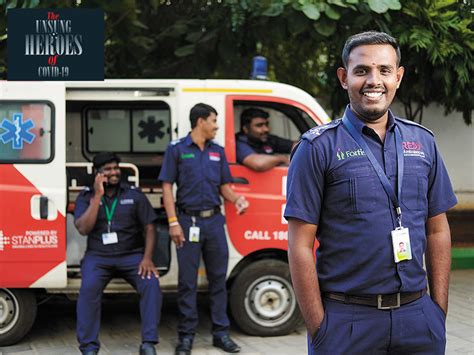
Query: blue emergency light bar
259, 68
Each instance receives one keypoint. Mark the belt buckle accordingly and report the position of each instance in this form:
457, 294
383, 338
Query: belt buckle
380, 301
206, 213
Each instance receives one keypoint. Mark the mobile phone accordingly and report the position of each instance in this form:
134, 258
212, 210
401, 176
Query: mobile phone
105, 183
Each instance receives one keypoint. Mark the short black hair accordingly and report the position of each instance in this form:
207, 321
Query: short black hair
104, 158
368, 38
200, 111
249, 114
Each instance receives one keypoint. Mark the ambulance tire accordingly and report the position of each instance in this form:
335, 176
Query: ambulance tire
262, 300
17, 314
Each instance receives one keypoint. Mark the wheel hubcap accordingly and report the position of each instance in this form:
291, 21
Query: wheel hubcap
8, 310
270, 301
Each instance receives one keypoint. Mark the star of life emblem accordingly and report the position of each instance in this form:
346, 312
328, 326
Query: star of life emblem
17, 131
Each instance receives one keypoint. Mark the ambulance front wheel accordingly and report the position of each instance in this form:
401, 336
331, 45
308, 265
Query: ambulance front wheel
17, 314
262, 300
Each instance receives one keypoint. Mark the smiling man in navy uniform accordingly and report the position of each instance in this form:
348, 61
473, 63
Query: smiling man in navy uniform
199, 168
362, 185
119, 223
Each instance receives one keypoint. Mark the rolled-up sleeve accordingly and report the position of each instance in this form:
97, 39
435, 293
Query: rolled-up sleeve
169, 169
305, 184
441, 196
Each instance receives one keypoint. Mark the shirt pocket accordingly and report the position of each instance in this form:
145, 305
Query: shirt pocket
415, 192
352, 190
415, 185
214, 173
187, 169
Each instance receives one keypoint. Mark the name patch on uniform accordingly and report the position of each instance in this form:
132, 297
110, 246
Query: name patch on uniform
187, 156
214, 156
126, 201
413, 149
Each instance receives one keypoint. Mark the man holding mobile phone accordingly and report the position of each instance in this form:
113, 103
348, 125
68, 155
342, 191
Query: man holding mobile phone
119, 222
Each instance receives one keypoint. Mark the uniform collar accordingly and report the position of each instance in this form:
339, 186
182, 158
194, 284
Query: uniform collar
242, 137
189, 141
359, 124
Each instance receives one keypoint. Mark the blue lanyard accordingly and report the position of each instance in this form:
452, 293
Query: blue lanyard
378, 169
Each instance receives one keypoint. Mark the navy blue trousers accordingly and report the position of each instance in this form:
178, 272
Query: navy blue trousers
97, 271
213, 246
415, 328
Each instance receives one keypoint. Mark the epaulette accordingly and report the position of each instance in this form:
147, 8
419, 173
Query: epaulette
414, 124
315, 132
176, 141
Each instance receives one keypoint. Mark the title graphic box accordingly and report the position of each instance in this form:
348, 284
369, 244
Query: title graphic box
55, 44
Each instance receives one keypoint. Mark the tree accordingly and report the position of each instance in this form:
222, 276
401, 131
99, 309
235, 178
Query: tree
302, 39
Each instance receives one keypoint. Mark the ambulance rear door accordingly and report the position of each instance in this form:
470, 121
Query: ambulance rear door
32, 185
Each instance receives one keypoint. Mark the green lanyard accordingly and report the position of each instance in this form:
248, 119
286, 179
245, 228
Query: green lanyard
109, 213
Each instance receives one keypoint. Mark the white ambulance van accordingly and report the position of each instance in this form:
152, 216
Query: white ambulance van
49, 132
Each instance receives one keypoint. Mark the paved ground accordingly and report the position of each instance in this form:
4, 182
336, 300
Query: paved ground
53, 332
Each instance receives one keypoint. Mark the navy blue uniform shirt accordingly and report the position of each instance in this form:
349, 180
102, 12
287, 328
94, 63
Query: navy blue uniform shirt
132, 212
273, 145
198, 174
332, 184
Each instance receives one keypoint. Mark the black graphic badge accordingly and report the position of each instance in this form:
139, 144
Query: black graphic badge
151, 129
55, 44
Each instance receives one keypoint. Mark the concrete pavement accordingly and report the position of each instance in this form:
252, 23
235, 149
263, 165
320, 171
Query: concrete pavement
54, 329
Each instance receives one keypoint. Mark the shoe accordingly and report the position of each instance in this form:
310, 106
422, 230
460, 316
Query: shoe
184, 346
226, 343
147, 349
89, 352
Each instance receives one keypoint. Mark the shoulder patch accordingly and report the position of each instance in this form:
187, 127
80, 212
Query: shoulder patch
315, 132
176, 141
408, 122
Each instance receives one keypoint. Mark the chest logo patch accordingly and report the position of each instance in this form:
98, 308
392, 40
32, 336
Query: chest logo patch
187, 156
214, 156
268, 149
126, 201
341, 155
413, 149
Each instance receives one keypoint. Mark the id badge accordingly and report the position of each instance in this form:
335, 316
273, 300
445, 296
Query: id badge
401, 244
194, 234
109, 238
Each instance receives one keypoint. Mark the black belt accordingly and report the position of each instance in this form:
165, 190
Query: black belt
388, 301
202, 213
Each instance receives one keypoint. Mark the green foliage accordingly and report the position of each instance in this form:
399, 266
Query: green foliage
302, 40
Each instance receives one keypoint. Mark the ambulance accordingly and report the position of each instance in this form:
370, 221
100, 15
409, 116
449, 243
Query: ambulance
49, 133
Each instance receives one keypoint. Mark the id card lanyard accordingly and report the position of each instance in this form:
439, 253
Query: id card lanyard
109, 214
378, 169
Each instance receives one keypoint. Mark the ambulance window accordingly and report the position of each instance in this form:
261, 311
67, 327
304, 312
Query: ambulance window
128, 130
285, 121
26, 132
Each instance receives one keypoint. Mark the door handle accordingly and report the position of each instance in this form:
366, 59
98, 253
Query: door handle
240, 180
43, 201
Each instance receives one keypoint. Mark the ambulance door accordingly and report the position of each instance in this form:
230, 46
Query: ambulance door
32, 185
263, 225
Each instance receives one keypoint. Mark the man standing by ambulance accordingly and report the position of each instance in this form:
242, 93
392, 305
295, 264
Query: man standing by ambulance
373, 189
200, 169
